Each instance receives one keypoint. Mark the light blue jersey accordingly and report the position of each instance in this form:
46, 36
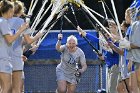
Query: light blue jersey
134, 54
67, 68
4, 30
124, 63
5, 57
15, 24
17, 51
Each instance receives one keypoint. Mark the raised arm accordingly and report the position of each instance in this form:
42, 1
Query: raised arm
30, 39
58, 44
87, 35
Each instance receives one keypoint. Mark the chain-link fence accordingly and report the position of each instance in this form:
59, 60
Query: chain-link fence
41, 78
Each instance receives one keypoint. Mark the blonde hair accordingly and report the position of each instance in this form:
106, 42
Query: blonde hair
18, 7
72, 37
5, 6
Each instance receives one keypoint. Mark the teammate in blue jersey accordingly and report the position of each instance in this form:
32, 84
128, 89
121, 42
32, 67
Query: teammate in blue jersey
111, 59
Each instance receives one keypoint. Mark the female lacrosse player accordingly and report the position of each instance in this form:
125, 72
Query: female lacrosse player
6, 40
67, 71
17, 51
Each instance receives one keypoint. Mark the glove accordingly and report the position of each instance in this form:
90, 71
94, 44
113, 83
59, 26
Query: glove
27, 53
27, 20
78, 74
60, 36
124, 44
28, 17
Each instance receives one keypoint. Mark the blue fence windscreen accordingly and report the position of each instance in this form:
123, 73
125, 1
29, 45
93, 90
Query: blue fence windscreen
47, 48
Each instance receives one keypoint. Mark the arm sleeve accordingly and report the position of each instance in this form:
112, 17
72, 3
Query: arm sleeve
4, 28
62, 47
27, 53
82, 57
136, 35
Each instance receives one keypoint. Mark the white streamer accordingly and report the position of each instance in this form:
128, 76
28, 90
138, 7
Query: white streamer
108, 48
85, 7
39, 14
32, 9
57, 8
104, 9
38, 21
116, 17
95, 12
60, 14
121, 65
29, 11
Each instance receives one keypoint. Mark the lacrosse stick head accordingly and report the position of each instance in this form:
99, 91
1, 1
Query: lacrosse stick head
138, 12
60, 3
135, 10
76, 2
104, 44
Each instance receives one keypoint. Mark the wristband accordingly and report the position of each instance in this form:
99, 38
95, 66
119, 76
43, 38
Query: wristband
27, 53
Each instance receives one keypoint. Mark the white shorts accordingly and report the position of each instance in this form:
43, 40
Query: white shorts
17, 63
124, 72
5, 65
136, 65
71, 78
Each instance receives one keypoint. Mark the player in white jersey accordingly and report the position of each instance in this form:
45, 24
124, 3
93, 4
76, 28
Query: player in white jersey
72, 55
6, 40
133, 47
